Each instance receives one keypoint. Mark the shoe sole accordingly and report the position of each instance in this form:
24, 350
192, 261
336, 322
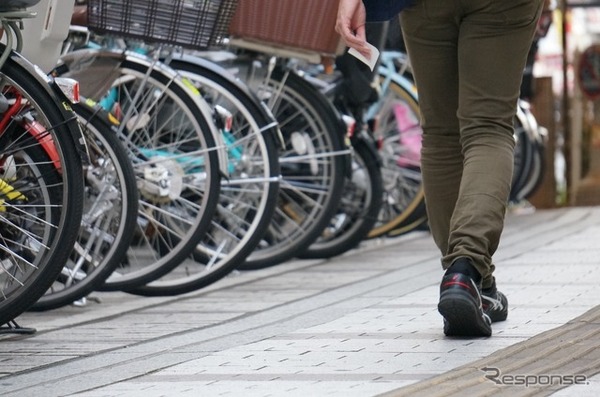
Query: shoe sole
463, 316
500, 317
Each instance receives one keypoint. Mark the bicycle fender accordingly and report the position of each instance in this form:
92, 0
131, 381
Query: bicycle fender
47, 83
95, 69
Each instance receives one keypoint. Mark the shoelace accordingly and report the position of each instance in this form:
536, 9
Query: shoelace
496, 303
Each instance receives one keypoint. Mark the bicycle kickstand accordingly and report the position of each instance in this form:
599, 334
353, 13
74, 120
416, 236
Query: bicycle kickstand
12, 327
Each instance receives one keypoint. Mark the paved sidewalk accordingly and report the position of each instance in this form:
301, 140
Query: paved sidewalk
363, 324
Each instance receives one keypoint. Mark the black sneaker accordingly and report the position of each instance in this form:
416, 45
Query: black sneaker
494, 304
460, 305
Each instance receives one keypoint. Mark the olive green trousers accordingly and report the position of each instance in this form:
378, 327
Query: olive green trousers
468, 58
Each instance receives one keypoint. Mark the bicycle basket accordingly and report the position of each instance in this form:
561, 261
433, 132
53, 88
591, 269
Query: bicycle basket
305, 26
197, 24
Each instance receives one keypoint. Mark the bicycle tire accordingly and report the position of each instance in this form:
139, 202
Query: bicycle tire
313, 164
537, 169
248, 195
169, 133
536, 176
360, 205
40, 225
530, 142
110, 213
403, 207
523, 155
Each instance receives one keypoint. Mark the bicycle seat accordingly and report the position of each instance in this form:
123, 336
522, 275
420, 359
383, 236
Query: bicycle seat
14, 5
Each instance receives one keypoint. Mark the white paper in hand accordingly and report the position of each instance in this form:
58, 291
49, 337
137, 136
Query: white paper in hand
370, 62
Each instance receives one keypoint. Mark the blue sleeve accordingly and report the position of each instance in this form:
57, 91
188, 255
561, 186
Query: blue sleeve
384, 10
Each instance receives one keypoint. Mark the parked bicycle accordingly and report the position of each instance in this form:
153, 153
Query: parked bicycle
362, 197
247, 137
110, 212
170, 136
249, 194
41, 180
316, 160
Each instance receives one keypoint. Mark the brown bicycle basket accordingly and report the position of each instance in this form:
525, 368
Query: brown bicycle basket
304, 25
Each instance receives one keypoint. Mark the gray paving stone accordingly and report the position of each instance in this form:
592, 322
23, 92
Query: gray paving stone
362, 324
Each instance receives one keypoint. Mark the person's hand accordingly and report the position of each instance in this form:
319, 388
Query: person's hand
350, 25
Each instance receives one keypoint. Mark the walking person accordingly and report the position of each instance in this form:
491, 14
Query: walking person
468, 58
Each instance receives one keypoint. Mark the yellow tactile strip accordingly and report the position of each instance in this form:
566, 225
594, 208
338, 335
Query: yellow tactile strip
566, 356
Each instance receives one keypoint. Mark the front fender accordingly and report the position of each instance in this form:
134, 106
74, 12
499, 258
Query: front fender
47, 83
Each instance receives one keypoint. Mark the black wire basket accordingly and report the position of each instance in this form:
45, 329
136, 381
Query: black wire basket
196, 24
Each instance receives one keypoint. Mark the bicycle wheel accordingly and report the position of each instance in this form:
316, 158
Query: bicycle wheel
523, 156
169, 133
529, 163
110, 212
249, 193
313, 164
537, 170
41, 196
360, 205
398, 133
